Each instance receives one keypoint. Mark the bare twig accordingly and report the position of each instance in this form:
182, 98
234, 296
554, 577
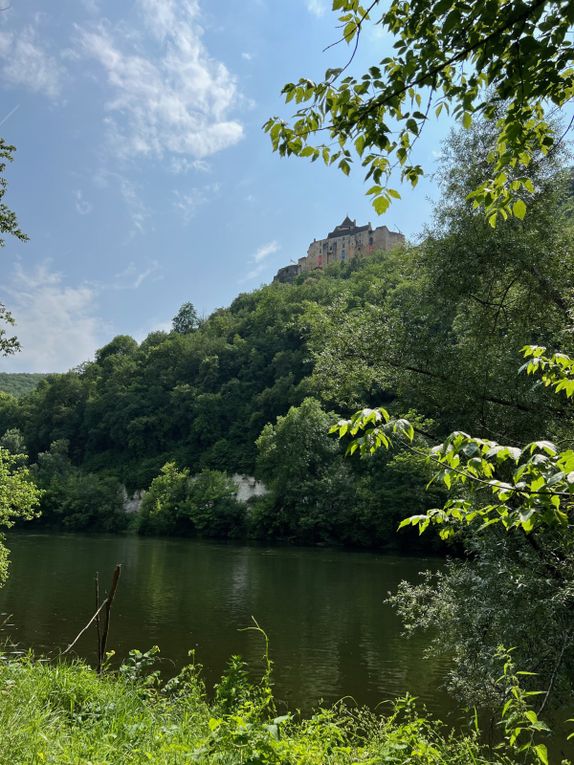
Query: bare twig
98, 631
89, 624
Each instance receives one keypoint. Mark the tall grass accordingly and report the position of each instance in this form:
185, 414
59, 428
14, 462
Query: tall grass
64, 714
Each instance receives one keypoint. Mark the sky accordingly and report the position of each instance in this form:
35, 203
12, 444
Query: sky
142, 175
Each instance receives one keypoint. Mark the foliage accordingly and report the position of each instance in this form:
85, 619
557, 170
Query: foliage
316, 496
19, 383
204, 504
76, 500
13, 441
64, 713
8, 226
431, 331
211, 506
186, 320
19, 497
437, 328
164, 499
511, 588
504, 62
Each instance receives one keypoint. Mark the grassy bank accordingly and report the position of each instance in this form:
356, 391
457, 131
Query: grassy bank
65, 713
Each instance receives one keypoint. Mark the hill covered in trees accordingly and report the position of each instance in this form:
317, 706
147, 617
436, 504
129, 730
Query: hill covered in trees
19, 383
433, 331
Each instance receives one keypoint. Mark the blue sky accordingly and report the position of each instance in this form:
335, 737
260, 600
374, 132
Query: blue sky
142, 175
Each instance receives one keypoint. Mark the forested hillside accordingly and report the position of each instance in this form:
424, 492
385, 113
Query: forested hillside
433, 330
19, 383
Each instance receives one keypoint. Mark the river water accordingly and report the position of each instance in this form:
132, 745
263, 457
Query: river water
331, 633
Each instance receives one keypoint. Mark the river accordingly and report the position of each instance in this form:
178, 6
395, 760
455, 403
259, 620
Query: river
331, 633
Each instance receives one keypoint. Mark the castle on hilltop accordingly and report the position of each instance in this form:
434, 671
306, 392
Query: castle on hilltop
345, 242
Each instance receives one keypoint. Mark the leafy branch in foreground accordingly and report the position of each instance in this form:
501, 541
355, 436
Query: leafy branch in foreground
19, 497
503, 61
528, 488
8, 225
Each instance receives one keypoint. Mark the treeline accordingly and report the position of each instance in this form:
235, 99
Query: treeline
19, 383
432, 331
188, 408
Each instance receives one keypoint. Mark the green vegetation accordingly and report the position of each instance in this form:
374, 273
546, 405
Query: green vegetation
511, 507
19, 498
8, 226
19, 383
504, 62
178, 503
66, 713
433, 332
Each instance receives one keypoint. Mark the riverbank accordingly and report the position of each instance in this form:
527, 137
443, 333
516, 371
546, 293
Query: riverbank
64, 714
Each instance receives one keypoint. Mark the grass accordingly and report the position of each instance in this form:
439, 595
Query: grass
64, 713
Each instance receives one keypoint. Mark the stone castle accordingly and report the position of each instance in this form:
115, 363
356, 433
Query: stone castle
345, 242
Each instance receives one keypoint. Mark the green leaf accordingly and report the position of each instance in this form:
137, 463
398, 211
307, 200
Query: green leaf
519, 209
381, 204
541, 753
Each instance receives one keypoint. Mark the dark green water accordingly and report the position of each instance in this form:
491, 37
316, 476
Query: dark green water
331, 633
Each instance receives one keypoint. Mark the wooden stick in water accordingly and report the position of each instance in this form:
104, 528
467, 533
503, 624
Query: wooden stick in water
109, 600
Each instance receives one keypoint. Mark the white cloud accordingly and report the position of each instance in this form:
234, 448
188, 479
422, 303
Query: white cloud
265, 250
132, 277
137, 210
92, 6
83, 207
246, 56
317, 7
174, 98
180, 165
26, 63
57, 325
258, 259
188, 203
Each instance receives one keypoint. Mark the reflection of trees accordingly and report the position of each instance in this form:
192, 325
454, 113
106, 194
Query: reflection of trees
330, 632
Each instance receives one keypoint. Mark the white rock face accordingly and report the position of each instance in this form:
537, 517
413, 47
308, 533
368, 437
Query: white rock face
133, 505
248, 487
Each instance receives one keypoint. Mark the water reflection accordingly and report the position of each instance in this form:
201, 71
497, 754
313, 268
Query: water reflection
331, 633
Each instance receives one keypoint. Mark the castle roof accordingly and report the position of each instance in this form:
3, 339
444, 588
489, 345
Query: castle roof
347, 227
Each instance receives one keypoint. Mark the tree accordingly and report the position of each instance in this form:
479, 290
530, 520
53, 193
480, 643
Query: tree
19, 498
310, 486
504, 61
437, 328
511, 507
203, 504
211, 505
186, 320
9, 226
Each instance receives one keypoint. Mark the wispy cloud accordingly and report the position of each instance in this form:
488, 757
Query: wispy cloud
128, 191
188, 203
317, 7
83, 207
258, 259
265, 250
180, 165
27, 63
57, 325
133, 276
174, 98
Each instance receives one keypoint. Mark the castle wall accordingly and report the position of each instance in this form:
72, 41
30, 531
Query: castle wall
345, 242
345, 246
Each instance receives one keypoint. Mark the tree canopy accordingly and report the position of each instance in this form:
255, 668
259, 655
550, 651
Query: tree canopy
507, 62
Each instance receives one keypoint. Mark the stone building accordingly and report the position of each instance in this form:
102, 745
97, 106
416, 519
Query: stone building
345, 242
348, 241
